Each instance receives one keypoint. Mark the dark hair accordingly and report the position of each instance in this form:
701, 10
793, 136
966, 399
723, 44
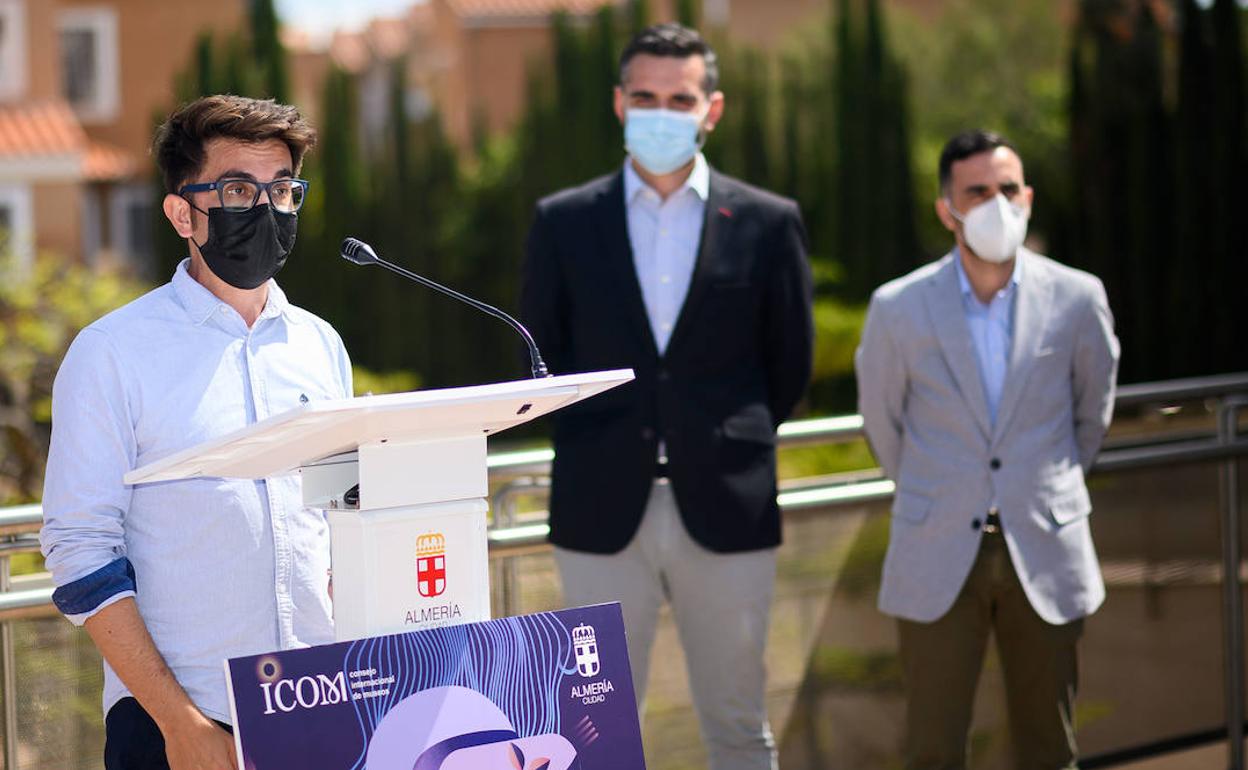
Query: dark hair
179, 144
966, 144
674, 40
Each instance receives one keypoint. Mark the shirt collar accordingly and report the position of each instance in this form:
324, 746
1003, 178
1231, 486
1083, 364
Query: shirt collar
699, 180
200, 303
965, 283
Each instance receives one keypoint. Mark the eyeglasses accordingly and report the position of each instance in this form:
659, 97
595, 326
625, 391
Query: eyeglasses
285, 195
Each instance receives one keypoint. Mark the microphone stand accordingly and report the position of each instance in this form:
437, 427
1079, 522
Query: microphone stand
359, 252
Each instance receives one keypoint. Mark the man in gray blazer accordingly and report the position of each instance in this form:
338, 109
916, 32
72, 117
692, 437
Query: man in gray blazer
986, 383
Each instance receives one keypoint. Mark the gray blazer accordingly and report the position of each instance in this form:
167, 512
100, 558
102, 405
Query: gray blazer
926, 417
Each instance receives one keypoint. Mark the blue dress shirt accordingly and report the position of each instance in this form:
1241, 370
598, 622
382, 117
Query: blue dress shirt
992, 331
218, 567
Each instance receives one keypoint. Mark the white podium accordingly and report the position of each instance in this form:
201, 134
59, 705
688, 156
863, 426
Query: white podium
409, 548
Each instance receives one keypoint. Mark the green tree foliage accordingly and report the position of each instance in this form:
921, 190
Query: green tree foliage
688, 12
1157, 181
994, 64
465, 225
268, 52
639, 16
41, 310
835, 119
880, 242
1118, 221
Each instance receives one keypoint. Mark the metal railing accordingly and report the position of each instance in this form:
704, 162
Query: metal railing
520, 474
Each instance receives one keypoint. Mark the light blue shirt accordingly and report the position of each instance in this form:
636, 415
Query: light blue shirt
665, 235
992, 331
218, 567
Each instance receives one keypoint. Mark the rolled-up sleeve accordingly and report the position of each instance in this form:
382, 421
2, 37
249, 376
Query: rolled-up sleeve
84, 499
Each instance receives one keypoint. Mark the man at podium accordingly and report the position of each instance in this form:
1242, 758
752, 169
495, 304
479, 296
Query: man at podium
172, 578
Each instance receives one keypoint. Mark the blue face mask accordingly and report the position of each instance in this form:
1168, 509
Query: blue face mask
662, 141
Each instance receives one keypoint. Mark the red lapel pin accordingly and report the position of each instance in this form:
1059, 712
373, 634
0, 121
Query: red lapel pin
725, 211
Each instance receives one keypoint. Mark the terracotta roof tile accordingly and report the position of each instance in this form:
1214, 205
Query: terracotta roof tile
525, 8
39, 129
106, 163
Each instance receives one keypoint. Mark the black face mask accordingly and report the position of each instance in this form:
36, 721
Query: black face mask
247, 248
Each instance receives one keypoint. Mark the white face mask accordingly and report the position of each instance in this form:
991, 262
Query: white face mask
994, 229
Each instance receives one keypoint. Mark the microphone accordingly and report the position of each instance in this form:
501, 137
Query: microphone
359, 252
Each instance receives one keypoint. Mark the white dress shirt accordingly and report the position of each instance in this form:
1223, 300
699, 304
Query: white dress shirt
665, 235
218, 567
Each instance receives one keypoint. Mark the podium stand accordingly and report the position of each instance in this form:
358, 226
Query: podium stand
403, 480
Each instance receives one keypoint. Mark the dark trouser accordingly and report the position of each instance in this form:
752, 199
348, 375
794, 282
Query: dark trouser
942, 660
132, 741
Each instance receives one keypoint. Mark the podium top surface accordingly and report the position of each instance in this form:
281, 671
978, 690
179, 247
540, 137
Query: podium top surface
317, 430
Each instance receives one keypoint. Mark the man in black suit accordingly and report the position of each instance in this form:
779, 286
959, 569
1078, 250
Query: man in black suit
665, 489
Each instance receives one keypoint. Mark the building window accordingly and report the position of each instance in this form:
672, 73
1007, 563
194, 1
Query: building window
16, 226
715, 13
131, 225
12, 49
90, 70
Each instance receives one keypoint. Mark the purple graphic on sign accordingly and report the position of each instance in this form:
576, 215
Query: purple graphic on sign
516, 693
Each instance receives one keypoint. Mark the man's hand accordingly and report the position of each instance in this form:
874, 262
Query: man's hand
192, 740
198, 743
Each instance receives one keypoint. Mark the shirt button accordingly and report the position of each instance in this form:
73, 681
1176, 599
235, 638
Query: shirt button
663, 232
667, 327
994, 511
994, 463
665, 279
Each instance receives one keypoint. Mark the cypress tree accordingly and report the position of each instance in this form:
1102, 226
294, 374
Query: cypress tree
876, 235
204, 77
1146, 191
847, 212
1120, 147
394, 305
1196, 185
269, 53
688, 12
892, 243
752, 105
602, 126
1227, 269
638, 15
794, 153
339, 194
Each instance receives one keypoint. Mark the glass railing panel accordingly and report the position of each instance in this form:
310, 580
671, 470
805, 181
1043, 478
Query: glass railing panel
59, 681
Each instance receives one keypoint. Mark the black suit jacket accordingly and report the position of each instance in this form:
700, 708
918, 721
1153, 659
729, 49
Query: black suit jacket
737, 362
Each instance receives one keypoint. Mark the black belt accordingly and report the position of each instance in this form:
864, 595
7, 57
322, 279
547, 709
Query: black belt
992, 522
660, 470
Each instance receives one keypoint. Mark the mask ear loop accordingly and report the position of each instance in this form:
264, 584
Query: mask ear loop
703, 133
953, 211
205, 213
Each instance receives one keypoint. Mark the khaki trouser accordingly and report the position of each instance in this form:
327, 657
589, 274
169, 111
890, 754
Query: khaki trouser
721, 604
941, 662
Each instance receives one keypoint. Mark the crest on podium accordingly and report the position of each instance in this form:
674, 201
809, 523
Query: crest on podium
431, 564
